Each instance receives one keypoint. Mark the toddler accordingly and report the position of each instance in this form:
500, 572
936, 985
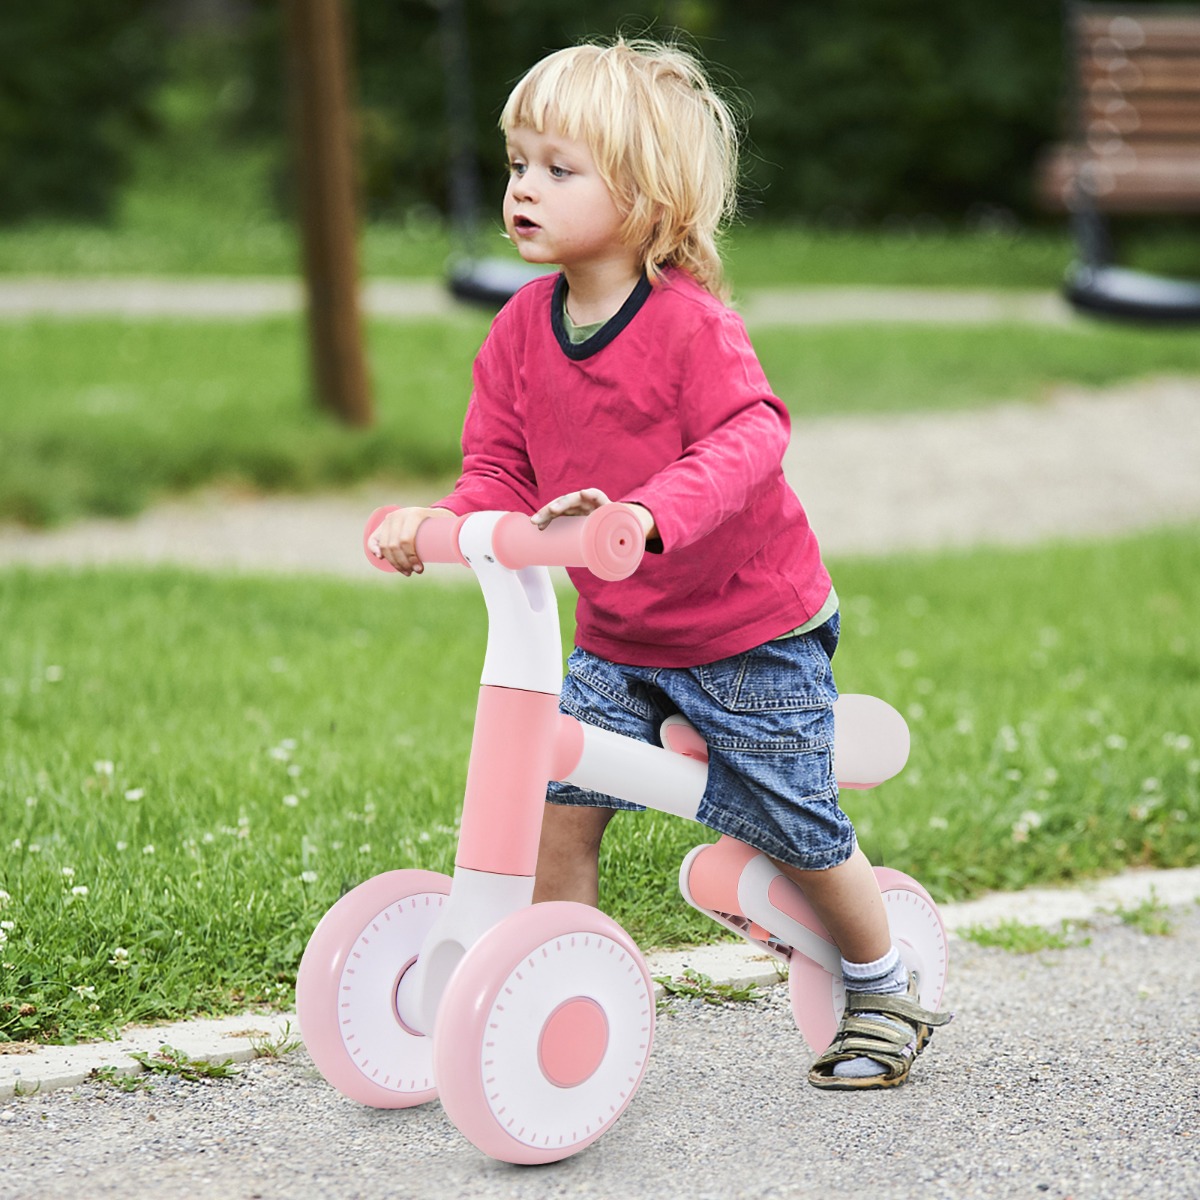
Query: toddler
624, 376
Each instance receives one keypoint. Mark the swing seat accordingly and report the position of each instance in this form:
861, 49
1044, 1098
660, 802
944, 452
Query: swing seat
1133, 150
490, 282
1121, 294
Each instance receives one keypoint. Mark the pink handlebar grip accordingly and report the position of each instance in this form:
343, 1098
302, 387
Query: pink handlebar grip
437, 540
608, 541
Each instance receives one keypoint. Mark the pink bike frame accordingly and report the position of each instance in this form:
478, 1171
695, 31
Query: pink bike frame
521, 741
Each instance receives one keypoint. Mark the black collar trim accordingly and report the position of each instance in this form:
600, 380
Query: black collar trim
607, 332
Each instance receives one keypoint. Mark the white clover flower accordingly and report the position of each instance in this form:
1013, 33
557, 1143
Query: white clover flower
291, 801
67, 872
102, 766
84, 989
135, 794
81, 890
1115, 741
148, 849
5, 898
365, 848
1027, 821
280, 753
938, 823
308, 877
120, 958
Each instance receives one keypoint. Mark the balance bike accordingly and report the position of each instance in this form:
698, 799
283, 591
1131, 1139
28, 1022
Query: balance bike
533, 1023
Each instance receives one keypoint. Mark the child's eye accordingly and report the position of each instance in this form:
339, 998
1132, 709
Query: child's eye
516, 168
557, 172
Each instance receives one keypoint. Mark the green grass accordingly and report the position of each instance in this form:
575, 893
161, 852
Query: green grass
193, 768
165, 232
1017, 937
102, 416
901, 369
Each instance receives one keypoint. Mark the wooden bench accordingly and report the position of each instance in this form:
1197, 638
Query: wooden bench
1134, 144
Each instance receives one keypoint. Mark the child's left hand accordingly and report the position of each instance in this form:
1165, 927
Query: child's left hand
586, 500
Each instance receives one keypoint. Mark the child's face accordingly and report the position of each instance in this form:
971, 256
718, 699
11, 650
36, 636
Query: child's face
557, 208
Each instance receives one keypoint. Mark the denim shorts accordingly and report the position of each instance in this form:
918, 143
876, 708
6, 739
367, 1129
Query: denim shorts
767, 717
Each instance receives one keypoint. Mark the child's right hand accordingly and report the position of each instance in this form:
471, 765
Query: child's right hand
396, 538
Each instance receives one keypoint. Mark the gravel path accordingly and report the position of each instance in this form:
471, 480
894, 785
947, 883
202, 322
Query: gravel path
1069, 1074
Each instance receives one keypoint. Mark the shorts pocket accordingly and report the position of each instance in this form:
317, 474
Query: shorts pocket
783, 676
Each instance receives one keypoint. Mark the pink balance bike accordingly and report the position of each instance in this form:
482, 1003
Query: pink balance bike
533, 1023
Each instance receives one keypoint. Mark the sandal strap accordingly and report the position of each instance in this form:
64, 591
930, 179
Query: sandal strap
899, 1007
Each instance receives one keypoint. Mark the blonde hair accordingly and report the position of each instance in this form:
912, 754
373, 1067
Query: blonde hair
665, 143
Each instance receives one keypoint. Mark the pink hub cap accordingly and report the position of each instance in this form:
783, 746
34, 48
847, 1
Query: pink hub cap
573, 1041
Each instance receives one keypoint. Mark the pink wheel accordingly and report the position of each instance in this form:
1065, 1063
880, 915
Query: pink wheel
543, 1033
346, 989
818, 998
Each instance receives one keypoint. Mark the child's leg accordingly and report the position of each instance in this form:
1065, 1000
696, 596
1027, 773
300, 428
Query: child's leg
848, 901
883, 1027
569, 853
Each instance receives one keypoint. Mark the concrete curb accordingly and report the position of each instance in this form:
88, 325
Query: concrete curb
246, 1036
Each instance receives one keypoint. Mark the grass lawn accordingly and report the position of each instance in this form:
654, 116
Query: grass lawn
195, 767
101, 416
162, 233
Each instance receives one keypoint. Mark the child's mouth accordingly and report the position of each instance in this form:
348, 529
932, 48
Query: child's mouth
525, 225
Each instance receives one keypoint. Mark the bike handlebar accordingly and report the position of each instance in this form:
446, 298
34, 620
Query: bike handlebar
609, 541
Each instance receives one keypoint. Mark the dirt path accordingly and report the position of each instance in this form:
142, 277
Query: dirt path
1084, 464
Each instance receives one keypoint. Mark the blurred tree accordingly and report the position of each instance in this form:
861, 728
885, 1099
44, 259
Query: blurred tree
75, 81
884, 107
857, 111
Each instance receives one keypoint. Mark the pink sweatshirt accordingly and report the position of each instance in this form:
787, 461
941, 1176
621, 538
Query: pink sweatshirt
666, 406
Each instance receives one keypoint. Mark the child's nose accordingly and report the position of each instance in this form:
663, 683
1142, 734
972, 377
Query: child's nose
521, 188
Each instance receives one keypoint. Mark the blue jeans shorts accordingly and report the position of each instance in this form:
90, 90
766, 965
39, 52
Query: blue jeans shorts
768, 720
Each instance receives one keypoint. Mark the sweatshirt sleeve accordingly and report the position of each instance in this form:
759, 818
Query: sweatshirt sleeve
496, 471
734, 433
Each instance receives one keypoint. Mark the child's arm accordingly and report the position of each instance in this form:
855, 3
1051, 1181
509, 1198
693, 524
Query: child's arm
396, 538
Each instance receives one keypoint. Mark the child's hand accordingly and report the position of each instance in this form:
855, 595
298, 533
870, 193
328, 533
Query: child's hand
396, 538
579, 504
573, 504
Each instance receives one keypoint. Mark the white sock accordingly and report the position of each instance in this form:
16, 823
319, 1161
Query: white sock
886, 976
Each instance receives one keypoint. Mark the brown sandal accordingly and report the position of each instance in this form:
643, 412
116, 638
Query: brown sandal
892, 1042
